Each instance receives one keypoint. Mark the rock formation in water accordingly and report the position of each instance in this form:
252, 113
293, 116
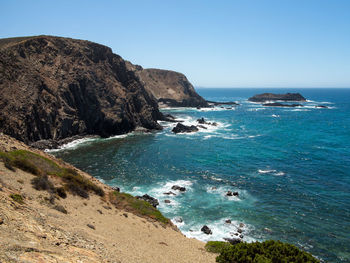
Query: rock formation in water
273, 97
53, 88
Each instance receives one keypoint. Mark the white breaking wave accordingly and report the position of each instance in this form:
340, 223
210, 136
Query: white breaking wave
273, 172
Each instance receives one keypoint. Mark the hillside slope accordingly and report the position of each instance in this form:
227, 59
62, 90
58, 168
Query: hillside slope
42, 226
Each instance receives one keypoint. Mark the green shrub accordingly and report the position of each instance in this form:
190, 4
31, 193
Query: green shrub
42, 183
7, 161
216, 246
61, 192
266, 252
17, 197
137, 206
80, 185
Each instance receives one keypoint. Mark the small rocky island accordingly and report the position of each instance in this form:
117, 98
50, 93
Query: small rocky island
275, 97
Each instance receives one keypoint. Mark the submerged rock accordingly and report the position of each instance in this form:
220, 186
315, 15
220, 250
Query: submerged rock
169, 193
180, 128
153, 201
228, 221
277, 104
206, 230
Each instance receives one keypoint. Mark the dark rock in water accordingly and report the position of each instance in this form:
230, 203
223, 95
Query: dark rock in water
273, 97
179, 188
233, 241
201, 126
169, 193
214, 124
153, 201
115, 188
201, 121
228, 221
169, 118
241, 236
213, 188
178, 219
216, 103
180, 128
321, 106
167, 201
206, 230
277, 104
239, 230
241, 225
198, 108
230, 193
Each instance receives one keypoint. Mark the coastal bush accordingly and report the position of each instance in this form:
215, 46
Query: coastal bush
264, 252
17, 198
136, 206
79, 185
7, 161
216, 246
41, 166
61, 192
42, 183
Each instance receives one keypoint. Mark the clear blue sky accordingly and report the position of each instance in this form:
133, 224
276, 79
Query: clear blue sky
233, 43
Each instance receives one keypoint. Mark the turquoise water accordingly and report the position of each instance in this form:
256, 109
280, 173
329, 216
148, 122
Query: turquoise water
291, 168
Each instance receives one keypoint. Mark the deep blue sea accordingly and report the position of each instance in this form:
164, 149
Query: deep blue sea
290, 166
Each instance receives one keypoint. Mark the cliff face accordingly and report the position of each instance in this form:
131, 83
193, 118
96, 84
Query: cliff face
53, 87
170, 88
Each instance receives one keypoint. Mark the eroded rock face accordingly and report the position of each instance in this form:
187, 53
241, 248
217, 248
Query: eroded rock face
271, 97
170, 88
53, 88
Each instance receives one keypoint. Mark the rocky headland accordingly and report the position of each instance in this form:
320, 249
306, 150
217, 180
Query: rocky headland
54, 88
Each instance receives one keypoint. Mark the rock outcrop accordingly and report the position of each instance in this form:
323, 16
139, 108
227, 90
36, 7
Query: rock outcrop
180, 128
170, 88
53, 88
272, 97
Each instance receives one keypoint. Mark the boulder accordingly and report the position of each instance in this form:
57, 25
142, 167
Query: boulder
206, 230
167, 201
228, 221
178, 219
178, 188
180, 128
153, 201
201, 121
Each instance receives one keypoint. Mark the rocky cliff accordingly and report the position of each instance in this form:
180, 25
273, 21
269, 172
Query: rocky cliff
53, 88
170, 88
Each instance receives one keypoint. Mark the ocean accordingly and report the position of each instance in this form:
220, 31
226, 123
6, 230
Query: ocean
290, 167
